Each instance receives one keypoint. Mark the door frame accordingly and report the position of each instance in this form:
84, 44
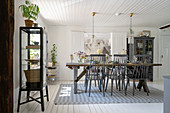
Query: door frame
6, 57
161, 37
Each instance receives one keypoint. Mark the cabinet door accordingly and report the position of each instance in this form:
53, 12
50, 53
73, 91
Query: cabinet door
139, 47
149, 48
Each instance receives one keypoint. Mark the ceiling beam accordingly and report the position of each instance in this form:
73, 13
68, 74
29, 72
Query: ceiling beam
165, 26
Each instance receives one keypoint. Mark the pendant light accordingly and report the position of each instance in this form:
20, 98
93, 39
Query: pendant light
130, 29
130, 39
93, 14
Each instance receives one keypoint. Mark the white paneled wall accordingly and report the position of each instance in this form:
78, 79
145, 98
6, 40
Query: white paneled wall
77, 44
62, 39
118, 42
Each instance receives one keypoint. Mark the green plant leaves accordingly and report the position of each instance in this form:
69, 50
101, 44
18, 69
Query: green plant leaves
53, 53
30, 11
131, 31
27, 2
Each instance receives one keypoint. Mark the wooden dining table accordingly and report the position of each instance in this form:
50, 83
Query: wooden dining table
76, 66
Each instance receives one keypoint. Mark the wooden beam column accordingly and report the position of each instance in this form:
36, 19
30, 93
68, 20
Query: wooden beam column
6, 55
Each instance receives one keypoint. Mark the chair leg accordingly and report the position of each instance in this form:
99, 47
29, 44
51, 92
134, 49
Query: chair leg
111, 86
42, 100
47, 93
86, 86
104, 87
126, 87
107, 83
119, 83
133, 87
28, 94
19, 98
95, 83
128, 83
99, 85
90, 88
116, 83
85, 81
147, 88
101, 82
147, 92
124, 84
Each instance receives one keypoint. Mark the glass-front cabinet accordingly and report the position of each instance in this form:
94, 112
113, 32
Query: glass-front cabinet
139, 47
148, 47
33, 57
144, 46
33, 61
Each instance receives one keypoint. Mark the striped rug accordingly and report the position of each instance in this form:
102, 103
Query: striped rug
66, 96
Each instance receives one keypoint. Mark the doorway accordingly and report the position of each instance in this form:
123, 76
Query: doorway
165, 55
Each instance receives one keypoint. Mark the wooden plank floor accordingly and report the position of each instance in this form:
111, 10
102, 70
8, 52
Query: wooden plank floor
50, 107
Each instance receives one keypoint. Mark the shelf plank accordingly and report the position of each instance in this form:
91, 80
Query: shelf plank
32, 60
32, 47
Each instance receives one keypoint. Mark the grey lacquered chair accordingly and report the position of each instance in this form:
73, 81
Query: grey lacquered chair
117, 73
121, 69
111, 74
96, 72
140, 72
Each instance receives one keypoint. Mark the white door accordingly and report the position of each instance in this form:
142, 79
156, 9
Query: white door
165, 56
118, 43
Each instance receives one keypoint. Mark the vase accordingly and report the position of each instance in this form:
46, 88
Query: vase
80, 60
28, 23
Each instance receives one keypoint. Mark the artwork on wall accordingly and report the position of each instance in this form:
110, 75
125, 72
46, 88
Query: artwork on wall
147, 33
144, 33
101, 41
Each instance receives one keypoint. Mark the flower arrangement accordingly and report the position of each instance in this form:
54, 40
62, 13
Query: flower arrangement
81, 55
99, 51
107, 58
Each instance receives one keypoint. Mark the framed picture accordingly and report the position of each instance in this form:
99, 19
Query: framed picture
146, 33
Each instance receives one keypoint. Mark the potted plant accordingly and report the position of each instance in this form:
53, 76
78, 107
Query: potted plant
29, 11
53, 55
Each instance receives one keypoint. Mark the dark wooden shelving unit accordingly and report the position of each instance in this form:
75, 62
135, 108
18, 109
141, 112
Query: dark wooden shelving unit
32, 79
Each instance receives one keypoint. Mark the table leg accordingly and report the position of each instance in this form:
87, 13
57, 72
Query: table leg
75, 79
143, 84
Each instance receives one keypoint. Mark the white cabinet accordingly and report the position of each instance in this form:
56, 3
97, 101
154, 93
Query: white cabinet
166, 94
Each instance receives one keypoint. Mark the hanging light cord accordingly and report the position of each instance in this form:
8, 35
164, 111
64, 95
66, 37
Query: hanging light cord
130, 22
131, 14
93, 14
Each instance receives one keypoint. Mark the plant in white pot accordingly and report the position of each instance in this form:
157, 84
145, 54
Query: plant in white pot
54, 54
29, 11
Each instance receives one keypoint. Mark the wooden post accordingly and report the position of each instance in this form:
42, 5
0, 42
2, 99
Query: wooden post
75, 79
6, 55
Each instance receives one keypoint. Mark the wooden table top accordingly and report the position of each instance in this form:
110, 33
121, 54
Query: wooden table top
110, 64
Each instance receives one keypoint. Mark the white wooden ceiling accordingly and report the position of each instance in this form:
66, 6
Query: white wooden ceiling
148, 13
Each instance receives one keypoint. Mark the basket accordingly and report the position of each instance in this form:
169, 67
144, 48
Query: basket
32, 75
